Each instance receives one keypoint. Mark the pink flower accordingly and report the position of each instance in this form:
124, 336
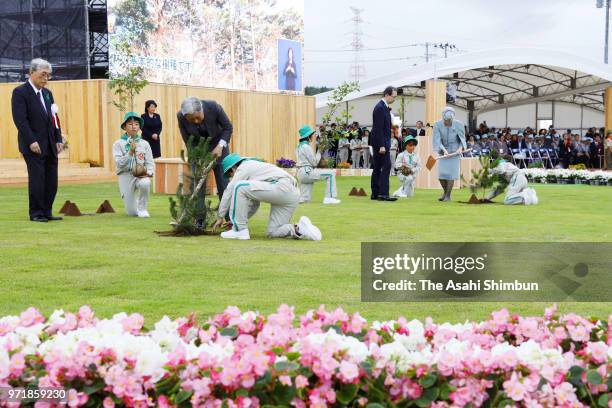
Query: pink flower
514, 388
133, 323
565, 394
17, 364
76, 399
549, 312
598, 351
348, 371
109, 403
501, 317
285, 380
30, 317
578, 333
301, 381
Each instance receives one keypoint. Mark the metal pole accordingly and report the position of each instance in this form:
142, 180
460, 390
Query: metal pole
607, 30
87, 39
426, 52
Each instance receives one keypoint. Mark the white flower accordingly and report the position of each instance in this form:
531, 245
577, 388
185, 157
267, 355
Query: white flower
166, 325
355, 349
12, 321
57, 317
5, 362
403, 358
30, 337
150, 361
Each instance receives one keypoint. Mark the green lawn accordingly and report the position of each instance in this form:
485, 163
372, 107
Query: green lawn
116, 263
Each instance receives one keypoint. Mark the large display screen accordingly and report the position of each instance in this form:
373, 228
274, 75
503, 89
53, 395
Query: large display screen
223, 44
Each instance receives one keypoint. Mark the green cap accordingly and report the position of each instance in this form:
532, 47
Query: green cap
411, 138
130, 115
305, 132
230, 161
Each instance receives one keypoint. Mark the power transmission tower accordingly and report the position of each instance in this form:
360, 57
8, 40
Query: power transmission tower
600, 4
357, 69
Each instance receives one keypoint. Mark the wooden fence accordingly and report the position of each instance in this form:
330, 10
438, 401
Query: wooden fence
265, 124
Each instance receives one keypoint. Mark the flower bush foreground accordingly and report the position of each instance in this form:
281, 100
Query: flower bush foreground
323, 358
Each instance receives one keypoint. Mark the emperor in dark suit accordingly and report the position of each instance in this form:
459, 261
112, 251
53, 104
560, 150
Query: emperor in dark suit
202, 118
40, 139
380, 140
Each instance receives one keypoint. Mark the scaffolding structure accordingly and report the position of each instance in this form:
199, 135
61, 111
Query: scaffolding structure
71, 34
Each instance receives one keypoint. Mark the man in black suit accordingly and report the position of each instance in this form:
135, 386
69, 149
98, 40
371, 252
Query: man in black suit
40, 138
380, 140
203, 118
419, 130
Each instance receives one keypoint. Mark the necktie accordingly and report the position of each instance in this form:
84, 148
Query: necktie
40, 98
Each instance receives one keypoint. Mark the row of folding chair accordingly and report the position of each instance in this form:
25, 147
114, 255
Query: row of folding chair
524, 157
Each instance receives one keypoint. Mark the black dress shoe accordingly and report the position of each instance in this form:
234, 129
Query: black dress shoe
386, 198
54, 218
39, 219
373, 197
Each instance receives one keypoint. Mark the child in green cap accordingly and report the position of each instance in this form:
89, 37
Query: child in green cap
308, 174
134, 165
407, 166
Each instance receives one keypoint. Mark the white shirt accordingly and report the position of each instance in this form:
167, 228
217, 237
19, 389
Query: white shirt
40, 95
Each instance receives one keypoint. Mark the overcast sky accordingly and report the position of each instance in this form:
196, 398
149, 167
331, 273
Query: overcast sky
574, 26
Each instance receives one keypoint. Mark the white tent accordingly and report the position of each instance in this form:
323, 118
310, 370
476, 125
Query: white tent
502, 78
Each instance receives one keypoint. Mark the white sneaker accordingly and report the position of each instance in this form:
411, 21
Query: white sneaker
331, 200
308, 231
233, 234
143, 214
534, 196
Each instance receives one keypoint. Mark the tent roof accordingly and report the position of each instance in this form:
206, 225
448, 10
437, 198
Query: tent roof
500, 78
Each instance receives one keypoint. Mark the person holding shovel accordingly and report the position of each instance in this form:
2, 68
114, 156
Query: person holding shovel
448, 140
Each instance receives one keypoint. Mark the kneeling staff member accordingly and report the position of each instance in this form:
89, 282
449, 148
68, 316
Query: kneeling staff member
253, 182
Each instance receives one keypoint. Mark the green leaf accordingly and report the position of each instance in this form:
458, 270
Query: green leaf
428, 380
335, 328
603, 400
283, 394
594, 377
375, 405
609, 383
229, 332
347, 393
293, 355
445, 390
264, 379
95, 387
242, 393
575, 375
367, 367
429, 396
286, 366
182, 396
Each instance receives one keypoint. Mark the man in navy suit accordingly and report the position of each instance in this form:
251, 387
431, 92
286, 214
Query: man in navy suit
380, 140
40, 139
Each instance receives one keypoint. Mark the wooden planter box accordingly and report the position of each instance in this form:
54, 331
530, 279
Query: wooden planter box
169, 173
